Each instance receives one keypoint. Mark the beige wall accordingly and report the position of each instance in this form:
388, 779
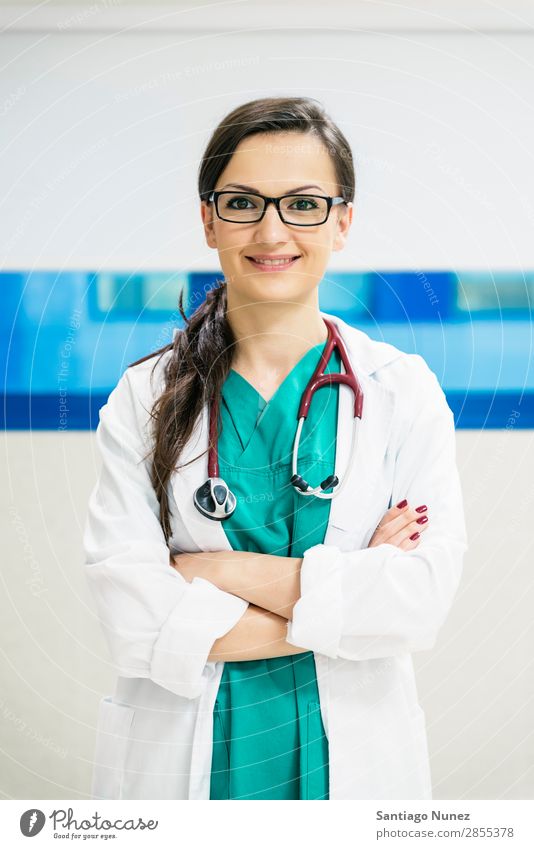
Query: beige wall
475, 685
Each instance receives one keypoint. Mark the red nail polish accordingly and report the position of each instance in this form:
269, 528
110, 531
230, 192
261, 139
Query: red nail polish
414, 536
402, 504
421, 509
422, 520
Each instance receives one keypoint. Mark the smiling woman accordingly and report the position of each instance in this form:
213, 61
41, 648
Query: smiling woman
263, 652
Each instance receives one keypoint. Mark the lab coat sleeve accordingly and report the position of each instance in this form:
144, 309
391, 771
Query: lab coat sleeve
157, 624
381, 601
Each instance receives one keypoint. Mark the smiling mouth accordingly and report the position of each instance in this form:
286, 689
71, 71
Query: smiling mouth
274, 262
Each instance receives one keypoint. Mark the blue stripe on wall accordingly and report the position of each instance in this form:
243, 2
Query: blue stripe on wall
472, 411
76, 332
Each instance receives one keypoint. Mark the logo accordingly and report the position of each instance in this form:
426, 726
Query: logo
31, 822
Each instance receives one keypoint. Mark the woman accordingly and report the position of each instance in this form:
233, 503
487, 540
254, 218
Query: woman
267, 655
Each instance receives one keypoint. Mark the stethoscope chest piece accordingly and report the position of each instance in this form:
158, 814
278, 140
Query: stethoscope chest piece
214, 499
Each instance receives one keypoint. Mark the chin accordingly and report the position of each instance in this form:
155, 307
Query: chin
265, 287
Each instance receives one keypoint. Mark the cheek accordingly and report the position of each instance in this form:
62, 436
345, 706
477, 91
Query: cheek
318, 243
231, 241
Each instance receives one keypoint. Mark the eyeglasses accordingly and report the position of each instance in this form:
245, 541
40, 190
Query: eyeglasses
301, 210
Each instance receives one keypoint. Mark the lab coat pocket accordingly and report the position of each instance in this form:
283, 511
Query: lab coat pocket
112, 737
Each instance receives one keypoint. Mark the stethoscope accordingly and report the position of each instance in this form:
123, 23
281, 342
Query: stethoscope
216, 501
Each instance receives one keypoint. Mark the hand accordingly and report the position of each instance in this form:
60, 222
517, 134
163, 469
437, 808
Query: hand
398, 525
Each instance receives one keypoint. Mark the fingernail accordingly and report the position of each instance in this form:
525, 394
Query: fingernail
421, 509
402, 504
414, 536
422, 520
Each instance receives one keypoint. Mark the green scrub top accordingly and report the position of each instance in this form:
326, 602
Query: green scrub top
268, 736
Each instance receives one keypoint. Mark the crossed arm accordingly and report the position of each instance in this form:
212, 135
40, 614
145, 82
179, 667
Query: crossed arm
269, 583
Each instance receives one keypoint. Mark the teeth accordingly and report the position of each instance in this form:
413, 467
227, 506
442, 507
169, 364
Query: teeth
273, 261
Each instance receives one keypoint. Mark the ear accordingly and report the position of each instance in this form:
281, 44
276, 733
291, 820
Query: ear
343, 226
207, 213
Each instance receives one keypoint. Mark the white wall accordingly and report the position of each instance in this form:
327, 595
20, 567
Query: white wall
103, 133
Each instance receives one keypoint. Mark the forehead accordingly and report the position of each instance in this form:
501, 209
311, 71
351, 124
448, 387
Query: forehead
280, 161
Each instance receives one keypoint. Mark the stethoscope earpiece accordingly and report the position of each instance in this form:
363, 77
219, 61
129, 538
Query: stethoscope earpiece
214, 499
299, 483
331, 480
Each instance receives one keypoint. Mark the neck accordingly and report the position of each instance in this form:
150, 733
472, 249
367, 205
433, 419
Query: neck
274, 336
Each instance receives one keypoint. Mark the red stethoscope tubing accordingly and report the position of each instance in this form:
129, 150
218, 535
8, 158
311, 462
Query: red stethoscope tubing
317, 380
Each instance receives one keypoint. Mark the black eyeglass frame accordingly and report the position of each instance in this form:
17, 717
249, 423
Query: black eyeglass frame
331, 201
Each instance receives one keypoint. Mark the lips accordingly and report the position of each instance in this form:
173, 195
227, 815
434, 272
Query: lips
266, 262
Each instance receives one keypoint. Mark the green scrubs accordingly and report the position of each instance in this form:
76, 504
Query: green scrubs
268, 736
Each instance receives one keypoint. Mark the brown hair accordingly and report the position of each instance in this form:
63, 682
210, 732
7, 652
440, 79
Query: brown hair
202, 351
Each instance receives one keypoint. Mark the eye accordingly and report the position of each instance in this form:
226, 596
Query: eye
240, 202
302, 203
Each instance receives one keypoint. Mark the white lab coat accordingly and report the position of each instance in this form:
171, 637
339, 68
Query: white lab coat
362, 611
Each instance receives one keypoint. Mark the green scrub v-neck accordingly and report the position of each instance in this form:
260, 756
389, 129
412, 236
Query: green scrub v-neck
268, 736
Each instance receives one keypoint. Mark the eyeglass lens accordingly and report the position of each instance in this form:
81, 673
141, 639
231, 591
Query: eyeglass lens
295, 209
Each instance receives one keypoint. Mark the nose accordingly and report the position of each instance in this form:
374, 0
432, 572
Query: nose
271, 228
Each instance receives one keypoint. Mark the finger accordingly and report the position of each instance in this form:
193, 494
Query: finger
409, 544
393, 513
412, 541
395, 520
407, 532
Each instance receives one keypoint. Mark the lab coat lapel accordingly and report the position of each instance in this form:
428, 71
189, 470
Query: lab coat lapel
351, 508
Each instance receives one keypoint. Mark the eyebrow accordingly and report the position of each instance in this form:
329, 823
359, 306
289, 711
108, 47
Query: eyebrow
252, 189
